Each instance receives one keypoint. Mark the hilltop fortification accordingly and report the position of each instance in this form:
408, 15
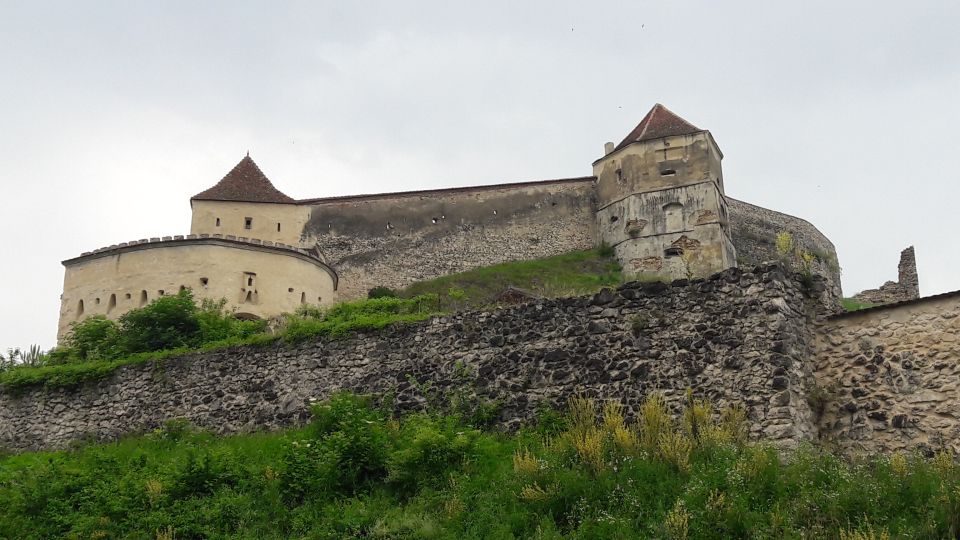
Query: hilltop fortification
657, 198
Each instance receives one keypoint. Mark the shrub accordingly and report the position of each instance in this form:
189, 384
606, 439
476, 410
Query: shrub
169, 322
93, 338
345, 451
428, 450
381, 292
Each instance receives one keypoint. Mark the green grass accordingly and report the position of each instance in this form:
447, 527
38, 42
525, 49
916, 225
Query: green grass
850, 304
355, 472
569, 274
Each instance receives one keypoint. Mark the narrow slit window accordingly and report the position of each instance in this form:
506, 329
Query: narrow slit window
143, 298
218, 222
248, 223
278, 227
303, 298
112, 303
79, 309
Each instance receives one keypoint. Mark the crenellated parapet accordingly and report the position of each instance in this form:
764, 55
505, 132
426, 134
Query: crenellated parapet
191, 238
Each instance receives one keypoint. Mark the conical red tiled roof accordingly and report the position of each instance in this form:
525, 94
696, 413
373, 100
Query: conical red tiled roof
245, 183
659, 122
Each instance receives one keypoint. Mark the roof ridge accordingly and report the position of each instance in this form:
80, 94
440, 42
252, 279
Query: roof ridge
245, 183
659, 122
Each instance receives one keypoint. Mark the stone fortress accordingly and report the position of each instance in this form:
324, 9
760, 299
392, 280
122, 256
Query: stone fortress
657, 197
742, 330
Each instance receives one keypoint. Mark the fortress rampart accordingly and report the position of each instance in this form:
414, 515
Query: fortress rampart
878, 380
396, 239
259, 278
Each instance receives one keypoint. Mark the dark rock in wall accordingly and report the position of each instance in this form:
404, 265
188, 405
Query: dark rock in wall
705, 335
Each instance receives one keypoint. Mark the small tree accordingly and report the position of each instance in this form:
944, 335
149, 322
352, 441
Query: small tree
168, 322
92, 338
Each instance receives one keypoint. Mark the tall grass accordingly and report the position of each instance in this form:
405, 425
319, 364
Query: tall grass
357, 472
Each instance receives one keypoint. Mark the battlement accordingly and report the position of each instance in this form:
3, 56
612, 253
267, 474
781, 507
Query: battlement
181, 239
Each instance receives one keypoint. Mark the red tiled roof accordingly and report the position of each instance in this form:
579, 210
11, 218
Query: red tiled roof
659, 122
244, 183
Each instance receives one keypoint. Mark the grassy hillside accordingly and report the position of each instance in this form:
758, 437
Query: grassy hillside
570, 274
355, 472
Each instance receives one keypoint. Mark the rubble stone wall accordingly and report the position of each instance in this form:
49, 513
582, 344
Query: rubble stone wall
888, 377
739, 337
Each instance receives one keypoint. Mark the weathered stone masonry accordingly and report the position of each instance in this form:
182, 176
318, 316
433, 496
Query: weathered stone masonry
738, 337
890, 376
877, 380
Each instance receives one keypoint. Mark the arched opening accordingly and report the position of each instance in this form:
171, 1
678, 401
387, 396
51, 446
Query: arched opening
143, 299
112, 303
673, 214
79, 309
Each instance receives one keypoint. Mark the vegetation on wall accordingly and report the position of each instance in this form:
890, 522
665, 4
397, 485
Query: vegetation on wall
852, 304
356, 471
174, 325
569, 274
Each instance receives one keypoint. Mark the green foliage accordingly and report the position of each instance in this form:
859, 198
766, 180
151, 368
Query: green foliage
33, 356
371, 314
355, 472
381, 292
851, 304
169, 322
578, 272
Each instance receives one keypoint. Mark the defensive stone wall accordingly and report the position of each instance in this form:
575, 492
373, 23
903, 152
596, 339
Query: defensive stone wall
888, 377
754, 231
396, 239
739, 337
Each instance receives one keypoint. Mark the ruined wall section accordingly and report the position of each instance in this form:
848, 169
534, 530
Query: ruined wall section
907, 286
888, 377
396, 239
754, 232
738, 337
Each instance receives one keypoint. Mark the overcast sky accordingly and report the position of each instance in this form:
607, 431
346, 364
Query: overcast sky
115, 113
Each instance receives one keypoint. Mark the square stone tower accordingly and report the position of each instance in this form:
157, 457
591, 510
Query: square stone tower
660, 200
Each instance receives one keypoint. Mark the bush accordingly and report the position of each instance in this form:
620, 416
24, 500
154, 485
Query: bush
345, 451
169, 322
428, 450
93, 338
381, 292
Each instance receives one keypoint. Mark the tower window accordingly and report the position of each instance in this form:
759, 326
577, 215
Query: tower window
218, 222
143, 298
204, 281
248, 223
112, 303
278, 227
79, 309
